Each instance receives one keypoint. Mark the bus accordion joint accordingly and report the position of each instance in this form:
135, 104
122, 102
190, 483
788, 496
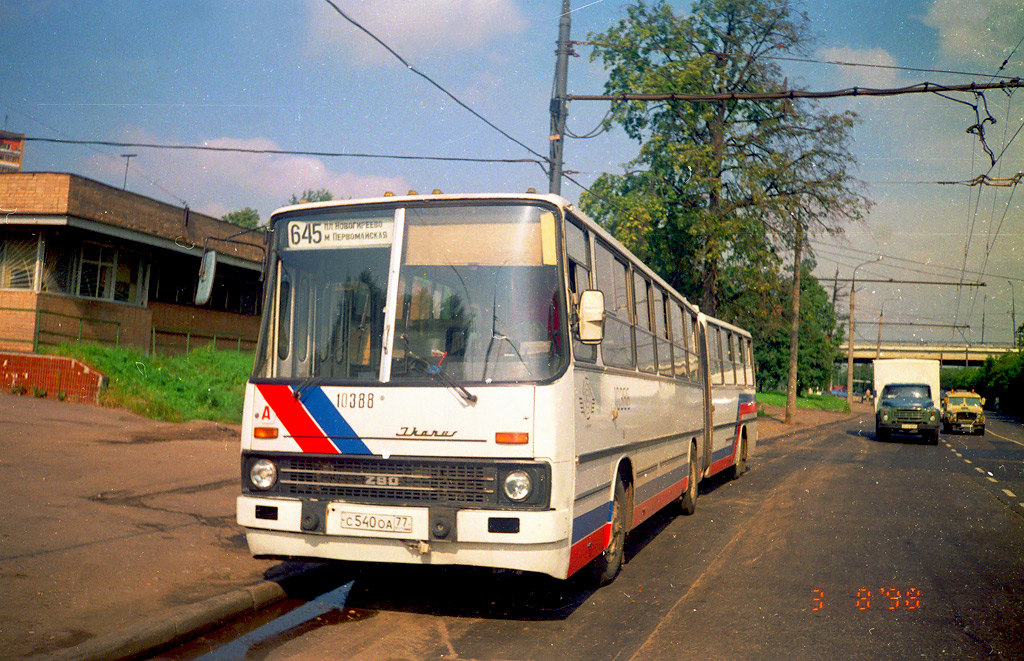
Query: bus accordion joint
511, 438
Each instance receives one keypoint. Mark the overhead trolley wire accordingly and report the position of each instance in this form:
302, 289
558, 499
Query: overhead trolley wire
430, 80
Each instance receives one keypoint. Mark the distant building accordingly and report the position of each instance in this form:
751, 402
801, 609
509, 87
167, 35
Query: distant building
12, 146
80, 260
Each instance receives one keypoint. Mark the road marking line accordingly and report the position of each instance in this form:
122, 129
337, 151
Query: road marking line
967, 461
992, 479
980, 469
1009, 493
989, 431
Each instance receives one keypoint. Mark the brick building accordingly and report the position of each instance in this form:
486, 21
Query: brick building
80, 260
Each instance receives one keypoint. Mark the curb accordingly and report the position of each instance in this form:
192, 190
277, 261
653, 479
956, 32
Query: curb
179, 625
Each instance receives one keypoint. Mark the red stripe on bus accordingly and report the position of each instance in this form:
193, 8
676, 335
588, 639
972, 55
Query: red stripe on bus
647, 508
588, 548
296, 420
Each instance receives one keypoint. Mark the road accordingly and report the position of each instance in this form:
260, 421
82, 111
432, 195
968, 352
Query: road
832, 545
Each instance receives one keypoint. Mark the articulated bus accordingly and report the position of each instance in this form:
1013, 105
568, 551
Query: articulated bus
487, 380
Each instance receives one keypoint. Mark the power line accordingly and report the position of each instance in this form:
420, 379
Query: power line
430, 80
803, 60
920, 88
281, 152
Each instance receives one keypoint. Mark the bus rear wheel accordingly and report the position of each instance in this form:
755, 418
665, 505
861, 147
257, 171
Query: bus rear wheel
688, 501
607, 565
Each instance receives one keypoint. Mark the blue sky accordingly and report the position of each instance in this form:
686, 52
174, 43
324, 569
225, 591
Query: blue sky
293, 75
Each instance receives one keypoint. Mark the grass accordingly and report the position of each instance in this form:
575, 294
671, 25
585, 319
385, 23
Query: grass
823, 402
204, 384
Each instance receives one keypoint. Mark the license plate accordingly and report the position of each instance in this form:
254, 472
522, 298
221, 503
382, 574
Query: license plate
966, 426
375, 522
908, 425
371, 521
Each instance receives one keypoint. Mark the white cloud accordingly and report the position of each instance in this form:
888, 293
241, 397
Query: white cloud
218, 182
413, 28
975, 32
866, 76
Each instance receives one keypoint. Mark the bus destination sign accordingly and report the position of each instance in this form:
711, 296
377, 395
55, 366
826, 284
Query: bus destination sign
362, 233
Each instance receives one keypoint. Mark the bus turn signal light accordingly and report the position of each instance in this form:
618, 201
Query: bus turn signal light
264, 432
512, 437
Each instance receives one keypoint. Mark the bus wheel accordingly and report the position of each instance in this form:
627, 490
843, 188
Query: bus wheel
608, 564
740, 467
688, 501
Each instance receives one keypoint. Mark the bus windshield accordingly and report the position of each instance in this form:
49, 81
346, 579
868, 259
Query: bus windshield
477, 296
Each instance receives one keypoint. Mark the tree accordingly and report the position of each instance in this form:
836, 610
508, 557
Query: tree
310, 195
247, 217
720, 186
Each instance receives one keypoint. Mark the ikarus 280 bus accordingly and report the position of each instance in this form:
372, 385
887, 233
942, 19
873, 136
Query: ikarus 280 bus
486, 380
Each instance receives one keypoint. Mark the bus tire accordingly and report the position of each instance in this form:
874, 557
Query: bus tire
740, 467
607, 565
688, 499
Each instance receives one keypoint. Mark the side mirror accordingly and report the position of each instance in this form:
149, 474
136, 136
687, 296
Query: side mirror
207, 269
983, 401
591, 316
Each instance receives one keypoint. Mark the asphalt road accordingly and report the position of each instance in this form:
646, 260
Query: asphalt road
832, 545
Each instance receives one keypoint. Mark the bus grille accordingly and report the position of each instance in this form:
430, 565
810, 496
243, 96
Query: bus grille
389, 481
910, 415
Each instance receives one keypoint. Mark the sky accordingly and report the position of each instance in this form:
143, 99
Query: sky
294, 75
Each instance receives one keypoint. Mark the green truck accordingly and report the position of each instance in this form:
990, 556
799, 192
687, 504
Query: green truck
907, 400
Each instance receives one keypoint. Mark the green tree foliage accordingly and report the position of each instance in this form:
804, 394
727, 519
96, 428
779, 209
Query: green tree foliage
717, 185
248, 218
820, 333
310, 195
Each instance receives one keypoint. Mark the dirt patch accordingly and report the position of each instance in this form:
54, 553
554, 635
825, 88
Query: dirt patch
771, 419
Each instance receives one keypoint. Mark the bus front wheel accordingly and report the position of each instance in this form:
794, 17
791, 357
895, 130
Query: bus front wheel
608, 564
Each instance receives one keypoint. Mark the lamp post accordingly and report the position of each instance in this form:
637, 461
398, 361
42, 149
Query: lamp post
127, 161
878, 345
849, 341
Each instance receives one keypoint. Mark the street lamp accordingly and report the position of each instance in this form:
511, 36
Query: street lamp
878, 346
849, 341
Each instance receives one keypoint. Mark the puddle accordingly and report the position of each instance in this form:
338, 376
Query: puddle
324, 610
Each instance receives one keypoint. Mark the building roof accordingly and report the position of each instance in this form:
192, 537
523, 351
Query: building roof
58, 199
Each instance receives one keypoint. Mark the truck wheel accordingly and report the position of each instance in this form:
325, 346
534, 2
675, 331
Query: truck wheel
607, 565
688, 501
881, 434
981, 431
933, 437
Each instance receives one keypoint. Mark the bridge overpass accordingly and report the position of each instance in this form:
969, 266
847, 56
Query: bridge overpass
949, 355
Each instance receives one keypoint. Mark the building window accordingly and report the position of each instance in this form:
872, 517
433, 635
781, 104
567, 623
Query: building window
18, 251
110, 273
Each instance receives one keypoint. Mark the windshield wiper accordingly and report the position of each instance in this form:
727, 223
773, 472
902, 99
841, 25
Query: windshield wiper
437, 371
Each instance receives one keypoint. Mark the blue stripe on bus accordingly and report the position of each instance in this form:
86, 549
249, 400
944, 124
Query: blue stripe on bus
335, 427
661, 483
588, 522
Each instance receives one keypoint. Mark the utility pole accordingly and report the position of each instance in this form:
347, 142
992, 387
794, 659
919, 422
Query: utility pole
1013, 316
128, 159
559, 104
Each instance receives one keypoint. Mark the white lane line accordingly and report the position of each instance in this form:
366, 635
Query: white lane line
988, 431
967, 461
980, 469
1009, 493
992, 479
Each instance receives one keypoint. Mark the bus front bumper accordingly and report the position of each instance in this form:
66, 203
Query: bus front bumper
510, 539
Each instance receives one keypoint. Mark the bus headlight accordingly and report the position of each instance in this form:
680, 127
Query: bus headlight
518, 486
263, 474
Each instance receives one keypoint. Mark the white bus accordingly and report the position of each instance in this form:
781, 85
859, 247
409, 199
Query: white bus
486, 380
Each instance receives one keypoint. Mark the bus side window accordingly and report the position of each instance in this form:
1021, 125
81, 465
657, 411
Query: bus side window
577, 247
612, 280
681, 361
645, 355
729, 341
661, 331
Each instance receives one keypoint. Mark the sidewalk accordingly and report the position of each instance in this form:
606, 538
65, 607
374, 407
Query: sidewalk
119, 534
